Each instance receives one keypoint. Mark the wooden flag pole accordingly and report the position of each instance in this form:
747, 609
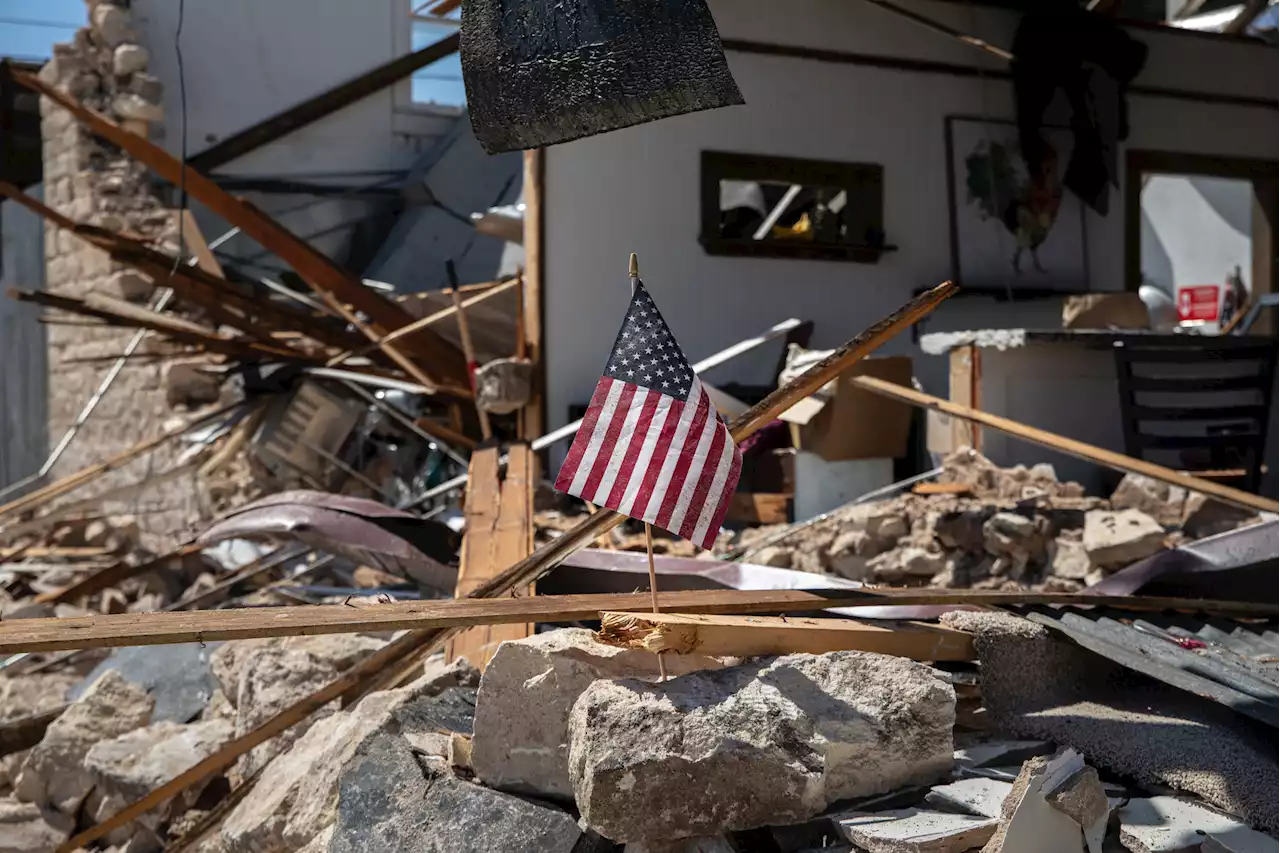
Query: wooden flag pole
633, 272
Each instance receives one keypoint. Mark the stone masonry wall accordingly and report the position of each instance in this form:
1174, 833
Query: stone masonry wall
92, 182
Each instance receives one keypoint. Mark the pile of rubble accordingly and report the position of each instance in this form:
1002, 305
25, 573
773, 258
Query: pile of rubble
996, 529
569, 745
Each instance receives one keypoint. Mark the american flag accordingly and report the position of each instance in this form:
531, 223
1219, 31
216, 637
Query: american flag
652, 445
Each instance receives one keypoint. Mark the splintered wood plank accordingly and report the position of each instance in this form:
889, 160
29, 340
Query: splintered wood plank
966, 390
509, 540
479, 540
750, 636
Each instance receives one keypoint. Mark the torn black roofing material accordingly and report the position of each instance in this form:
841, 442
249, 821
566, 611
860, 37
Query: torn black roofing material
1233, 664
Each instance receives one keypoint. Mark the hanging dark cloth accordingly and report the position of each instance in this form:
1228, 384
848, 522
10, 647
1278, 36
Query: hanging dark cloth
1092, 61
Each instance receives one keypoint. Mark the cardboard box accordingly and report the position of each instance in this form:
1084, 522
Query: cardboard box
855, 423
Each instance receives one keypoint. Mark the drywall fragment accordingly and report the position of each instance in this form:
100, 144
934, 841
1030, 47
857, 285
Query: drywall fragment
1080, 797
766, 743
915, 831
528, 689
979, 796
1029, 822
1178, 824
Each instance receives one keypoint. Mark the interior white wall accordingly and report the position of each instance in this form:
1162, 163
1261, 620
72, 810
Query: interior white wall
1196, 230
247, 60
637, 190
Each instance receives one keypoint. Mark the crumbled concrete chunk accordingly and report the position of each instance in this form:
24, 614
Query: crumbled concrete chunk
770, 742
26, 828
54, 772
1081, 797
915, 831
1114, 540
526, 694
1161, 501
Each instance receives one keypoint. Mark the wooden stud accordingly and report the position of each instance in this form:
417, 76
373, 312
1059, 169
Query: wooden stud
534, 414
503, 535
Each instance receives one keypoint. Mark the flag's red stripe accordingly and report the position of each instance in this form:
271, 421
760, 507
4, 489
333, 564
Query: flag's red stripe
634, 446
705, 476
569, 470
609, 442
730, 486
660, 453
684, 461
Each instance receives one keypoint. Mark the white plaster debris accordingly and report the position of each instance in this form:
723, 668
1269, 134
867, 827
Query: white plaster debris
980, 796
1176, 824
915, 831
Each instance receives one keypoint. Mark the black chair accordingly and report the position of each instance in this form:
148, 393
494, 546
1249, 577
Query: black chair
1200, 405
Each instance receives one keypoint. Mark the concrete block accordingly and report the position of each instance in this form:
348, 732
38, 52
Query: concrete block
526, 694
771, 742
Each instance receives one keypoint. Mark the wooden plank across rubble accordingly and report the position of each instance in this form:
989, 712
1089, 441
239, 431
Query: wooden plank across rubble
499, 533
141, 629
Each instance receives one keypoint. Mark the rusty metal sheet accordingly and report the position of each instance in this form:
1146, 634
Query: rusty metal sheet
361, 530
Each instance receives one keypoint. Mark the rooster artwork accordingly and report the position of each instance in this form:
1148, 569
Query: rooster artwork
997, 181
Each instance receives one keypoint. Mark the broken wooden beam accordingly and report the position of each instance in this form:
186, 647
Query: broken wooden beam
338, 287
752, 636
499, 533
117, 313
315, 108
1070, 446
165, 628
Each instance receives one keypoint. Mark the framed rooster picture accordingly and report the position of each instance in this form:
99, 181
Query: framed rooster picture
1012, 230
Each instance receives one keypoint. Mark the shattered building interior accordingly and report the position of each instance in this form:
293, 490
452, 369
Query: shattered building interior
924, 502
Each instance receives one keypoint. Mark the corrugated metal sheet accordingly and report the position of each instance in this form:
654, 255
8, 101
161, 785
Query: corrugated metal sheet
24, 374
1233, 663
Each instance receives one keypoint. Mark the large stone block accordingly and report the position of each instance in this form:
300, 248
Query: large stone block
528, 689
771, 742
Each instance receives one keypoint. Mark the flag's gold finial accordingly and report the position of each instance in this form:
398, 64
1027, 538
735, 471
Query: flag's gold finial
633, 268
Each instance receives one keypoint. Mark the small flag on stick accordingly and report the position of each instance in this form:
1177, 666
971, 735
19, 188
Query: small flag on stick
652, 445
